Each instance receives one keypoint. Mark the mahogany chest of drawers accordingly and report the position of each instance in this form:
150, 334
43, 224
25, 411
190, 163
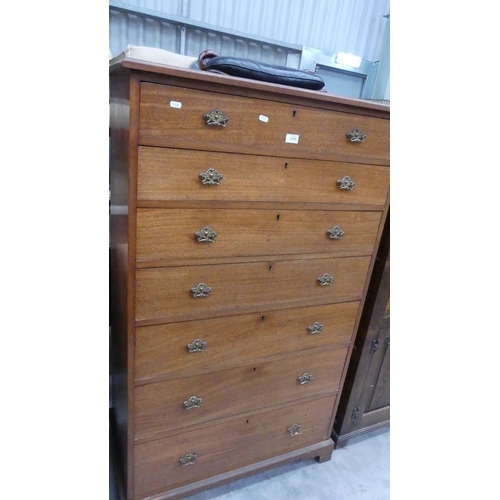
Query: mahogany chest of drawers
245, 218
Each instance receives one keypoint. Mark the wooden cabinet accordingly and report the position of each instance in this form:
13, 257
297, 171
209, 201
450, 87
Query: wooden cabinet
244, 222
365, 401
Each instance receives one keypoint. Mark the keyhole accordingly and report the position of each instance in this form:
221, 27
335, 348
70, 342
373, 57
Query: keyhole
248, 421
254, 369
286, 165
278, 217
270, 267
294, 113
262, 318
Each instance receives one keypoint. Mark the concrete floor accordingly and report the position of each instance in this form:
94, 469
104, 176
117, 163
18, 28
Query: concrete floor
360, 471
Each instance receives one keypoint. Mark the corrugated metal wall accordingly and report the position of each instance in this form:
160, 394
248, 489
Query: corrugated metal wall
355, 26
191, 38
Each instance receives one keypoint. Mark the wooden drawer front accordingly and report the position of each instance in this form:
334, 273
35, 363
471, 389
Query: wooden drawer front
171, 233
229, 445
159, 407
162, 350
173, 174
165, 294
312, 132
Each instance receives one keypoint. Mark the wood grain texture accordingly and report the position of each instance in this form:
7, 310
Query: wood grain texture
380, 397
120, 278
367, 385
173, 174
164, 294
263, 269
169, 75
321, 451
169, 234
321, 133
159, 406
228, 446
161, 350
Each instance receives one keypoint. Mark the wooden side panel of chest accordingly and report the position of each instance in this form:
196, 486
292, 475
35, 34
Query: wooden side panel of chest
240, 257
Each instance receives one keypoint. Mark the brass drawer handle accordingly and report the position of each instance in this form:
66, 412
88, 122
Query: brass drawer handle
188, 459
206, 234
216, 117
325, 280
356, 135
295, 430
211, 177
315, 328
305, 379
346, 183
201, 290
335, 233
197, 346
192, 402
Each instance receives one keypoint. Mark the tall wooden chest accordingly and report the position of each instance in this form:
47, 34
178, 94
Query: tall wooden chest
245, 219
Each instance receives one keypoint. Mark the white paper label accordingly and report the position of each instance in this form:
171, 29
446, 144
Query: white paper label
175, 104
292, 138
263, 118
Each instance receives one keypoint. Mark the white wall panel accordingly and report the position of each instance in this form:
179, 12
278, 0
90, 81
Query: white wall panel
166, 6
128, 29
355, 26
151, 28
272, 31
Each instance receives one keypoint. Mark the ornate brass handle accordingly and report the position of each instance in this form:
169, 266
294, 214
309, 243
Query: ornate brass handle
188, 459
356, 135
346, 183
325, 280
210, 177
295, 430
305, 379
216, 117
193, 402
315, 328
197, 346
335, 233
201, 290
206, 234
